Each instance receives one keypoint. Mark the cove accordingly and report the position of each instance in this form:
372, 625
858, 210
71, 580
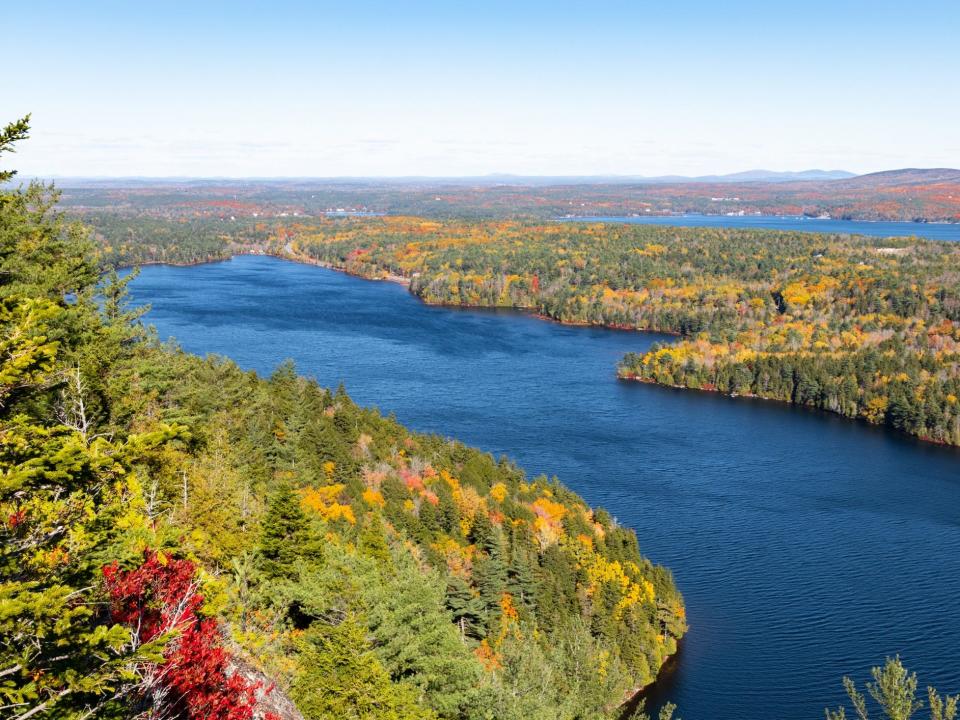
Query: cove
807, 546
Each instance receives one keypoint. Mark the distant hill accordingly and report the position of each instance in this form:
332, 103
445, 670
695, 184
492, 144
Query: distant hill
905, 176
773, 176
770, 176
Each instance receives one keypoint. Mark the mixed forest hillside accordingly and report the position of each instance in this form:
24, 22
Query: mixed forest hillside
184, 539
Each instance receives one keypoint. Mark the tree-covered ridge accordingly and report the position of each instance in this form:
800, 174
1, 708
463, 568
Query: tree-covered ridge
369, 523
183, 539
864, 327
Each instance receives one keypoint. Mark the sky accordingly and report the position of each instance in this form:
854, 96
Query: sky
356, 88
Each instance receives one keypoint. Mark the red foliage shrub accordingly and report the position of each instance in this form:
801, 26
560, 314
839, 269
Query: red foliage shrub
16, 518
161, 596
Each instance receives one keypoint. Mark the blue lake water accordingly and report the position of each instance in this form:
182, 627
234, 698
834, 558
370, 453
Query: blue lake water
807, 546
931, 231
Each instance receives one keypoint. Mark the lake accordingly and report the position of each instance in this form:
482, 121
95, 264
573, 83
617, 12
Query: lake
807, 546
931, 231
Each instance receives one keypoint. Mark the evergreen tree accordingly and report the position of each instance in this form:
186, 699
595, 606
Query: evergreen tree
415, 638
557, 585
429, 516
373, 540
286, 536
521, 577
490, 577
340, 678
69, 498
11, 134
466, 608
449, 512
481, 532
894, 690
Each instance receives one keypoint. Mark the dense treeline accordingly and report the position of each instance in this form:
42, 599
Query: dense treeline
864, 327
125, 241
183, 539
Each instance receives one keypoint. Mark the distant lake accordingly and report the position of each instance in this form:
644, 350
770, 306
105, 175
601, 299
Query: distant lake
807, 546
931, 231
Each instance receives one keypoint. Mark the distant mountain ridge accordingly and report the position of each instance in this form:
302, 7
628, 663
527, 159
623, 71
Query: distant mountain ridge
491, 179
744, 176
838, 178
758, 176
904, 176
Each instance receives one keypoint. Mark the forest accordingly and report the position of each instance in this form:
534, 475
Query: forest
183, 539
867, 328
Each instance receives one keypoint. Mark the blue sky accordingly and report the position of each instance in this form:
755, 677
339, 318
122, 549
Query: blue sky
238, 88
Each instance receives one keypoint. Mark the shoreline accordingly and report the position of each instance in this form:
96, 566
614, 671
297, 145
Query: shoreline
634, 378
302, 260
803, 218
290, 256
637, 695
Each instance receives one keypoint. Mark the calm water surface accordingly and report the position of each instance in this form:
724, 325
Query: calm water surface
808, 547
931, 231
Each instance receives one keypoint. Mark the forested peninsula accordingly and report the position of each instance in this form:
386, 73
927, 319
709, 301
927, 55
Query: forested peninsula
183, 539
864, 327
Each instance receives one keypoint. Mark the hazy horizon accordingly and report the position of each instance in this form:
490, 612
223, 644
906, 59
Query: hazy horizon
492, 176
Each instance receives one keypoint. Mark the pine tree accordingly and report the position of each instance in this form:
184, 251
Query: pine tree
449, 512
373, 540
481, 531
490, 577
320, 442
466, 608
894, 690
557, 585
415, 638
430, 519
521, 580
286, 536
340, 678
12, 133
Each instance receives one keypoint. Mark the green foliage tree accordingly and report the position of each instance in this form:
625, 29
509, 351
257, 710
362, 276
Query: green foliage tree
69, 496
415, 638
340, 678
286, 536
11, 134
466, 608
894, 691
